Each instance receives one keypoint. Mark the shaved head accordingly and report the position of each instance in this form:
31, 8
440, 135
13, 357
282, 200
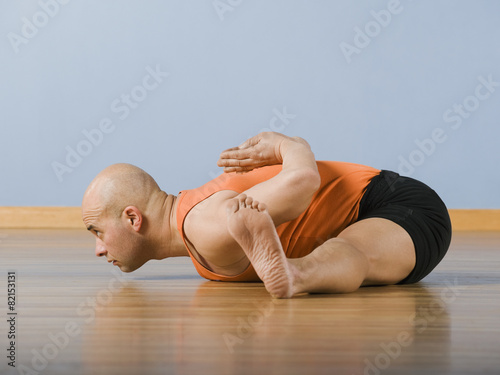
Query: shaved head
119, 186
131, 218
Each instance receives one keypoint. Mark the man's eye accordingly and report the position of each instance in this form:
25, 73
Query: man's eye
97, 233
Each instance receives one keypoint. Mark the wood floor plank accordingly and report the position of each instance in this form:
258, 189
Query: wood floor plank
79, 315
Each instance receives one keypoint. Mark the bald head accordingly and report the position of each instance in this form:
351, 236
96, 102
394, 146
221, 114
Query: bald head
119, 186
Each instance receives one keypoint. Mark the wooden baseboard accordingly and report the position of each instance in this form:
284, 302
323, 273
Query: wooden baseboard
475, 220
41, 218
70, 218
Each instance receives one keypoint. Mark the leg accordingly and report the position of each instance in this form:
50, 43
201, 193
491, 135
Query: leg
374, 251
370, 252
252, 227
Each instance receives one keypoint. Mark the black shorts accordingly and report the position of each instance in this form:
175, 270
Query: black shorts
418, 209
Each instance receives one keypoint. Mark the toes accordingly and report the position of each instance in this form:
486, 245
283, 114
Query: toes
261, 207
249, 201
241, 200
242, 204
244, 201
233, 206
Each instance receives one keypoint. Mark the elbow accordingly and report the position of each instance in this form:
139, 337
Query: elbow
300, 186
315, 180
312, 180
308, 181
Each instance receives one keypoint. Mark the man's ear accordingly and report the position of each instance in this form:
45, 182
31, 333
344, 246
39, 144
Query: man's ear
133, 217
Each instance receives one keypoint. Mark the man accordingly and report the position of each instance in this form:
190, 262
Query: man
278, 215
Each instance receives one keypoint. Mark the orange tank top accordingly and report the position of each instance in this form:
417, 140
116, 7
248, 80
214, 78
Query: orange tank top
334, 207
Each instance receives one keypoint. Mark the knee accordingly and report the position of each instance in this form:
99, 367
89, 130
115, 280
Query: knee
355, 264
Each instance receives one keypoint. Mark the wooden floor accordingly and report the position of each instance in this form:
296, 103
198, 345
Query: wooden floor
75, 316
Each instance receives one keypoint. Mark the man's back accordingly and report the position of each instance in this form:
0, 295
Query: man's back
201, 217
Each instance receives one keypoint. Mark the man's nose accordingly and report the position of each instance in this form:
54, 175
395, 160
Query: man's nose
100, 249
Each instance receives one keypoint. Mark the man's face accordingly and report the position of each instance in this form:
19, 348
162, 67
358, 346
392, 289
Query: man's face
115, 240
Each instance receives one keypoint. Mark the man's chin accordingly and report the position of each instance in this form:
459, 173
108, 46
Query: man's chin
127, 269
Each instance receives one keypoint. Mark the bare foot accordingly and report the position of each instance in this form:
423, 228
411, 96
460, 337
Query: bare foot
252, 227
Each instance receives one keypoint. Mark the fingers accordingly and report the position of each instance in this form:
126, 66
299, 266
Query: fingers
244, 158
236, 160
237, 163
229, 150
240, 151
234, 154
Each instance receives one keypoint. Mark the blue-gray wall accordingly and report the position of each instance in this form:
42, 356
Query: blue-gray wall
412, 86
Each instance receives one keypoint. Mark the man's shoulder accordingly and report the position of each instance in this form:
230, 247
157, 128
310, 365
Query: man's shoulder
205, 228
228, 182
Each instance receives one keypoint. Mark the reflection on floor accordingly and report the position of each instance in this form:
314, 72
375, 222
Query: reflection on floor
79, 315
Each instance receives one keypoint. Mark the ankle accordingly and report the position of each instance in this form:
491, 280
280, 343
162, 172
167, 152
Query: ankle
298, 278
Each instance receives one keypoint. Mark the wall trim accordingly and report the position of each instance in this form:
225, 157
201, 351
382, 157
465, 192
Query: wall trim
70, 218
41, 218
475, 220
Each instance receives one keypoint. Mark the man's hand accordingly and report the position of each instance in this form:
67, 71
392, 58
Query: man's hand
261, 150
288, 193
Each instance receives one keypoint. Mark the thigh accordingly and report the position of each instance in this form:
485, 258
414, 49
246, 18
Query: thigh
388, 248
415, 207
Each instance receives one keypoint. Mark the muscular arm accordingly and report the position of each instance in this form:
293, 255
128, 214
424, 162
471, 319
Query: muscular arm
287, 194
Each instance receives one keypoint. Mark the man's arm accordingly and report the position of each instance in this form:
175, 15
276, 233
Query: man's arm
290, 192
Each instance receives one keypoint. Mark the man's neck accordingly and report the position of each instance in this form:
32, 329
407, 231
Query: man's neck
168, 241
